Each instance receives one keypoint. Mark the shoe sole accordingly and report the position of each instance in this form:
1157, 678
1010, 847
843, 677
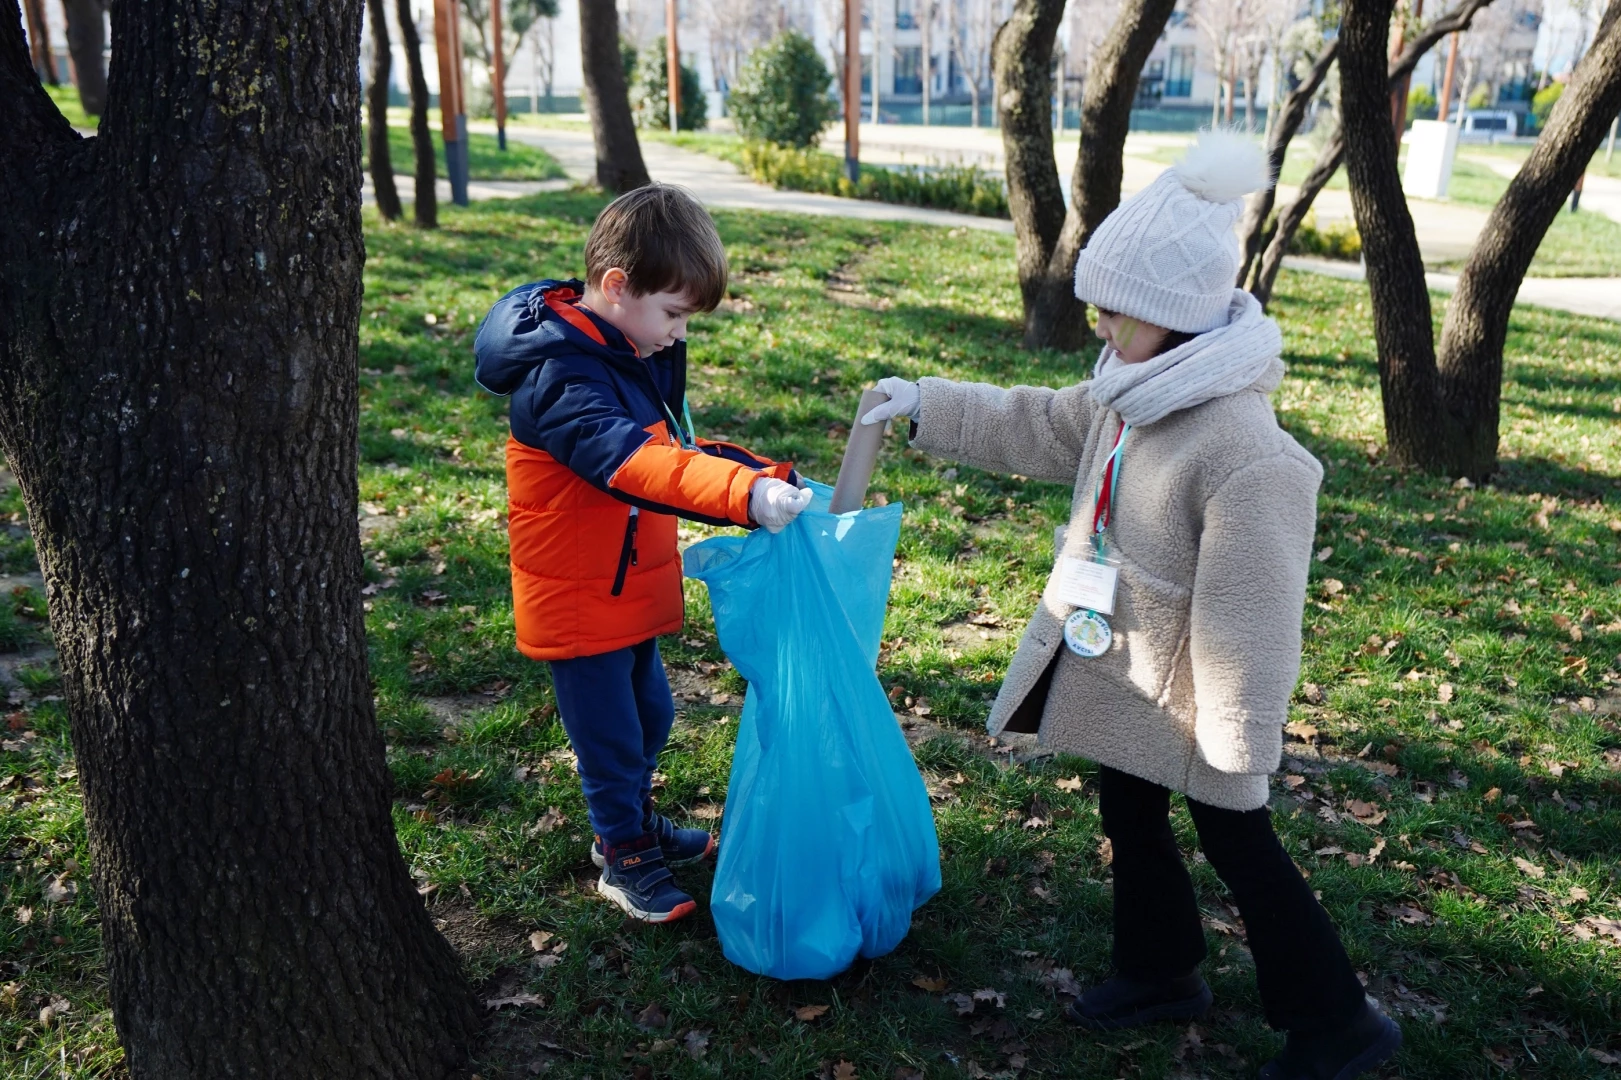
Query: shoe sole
1187, 1009
620, 897
1384, 1048
600, 862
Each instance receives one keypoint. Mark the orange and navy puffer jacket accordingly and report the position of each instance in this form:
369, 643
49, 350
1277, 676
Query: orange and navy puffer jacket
597, 472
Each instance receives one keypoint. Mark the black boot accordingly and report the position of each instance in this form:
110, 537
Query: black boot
1340, 1054
1124, 1002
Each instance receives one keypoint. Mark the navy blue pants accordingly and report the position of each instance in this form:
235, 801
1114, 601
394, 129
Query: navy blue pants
617, 710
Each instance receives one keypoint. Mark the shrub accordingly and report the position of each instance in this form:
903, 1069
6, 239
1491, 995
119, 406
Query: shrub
1339, 241
1542, 102
964, 189
1421, 104
1481, 97
650, 92
781, 93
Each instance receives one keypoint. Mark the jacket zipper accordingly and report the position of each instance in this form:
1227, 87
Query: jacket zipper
627, 554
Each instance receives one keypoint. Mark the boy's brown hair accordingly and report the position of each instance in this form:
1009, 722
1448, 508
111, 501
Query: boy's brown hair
664, 241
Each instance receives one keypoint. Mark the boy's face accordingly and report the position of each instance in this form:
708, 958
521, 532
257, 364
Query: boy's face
651, 321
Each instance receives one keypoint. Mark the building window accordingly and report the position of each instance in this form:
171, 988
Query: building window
909, 70
1179, 73
905, 16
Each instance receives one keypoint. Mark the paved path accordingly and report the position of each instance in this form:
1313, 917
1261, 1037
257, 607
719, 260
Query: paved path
720, 185
1598, 297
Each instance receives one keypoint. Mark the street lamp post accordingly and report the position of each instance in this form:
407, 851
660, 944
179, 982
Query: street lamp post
852, 89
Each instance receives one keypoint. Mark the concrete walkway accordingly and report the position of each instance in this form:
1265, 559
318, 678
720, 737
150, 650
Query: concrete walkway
1598, 297
720, 185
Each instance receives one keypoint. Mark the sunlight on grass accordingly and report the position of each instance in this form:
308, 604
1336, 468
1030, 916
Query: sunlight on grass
1452, 781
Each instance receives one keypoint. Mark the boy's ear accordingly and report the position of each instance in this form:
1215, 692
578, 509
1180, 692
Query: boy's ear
614, 282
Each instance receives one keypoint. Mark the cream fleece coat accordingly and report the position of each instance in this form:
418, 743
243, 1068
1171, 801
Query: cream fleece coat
1213, 524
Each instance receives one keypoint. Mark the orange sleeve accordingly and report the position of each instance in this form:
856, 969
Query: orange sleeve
691, 481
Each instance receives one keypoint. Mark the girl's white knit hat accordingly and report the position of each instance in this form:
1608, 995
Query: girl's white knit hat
1168, 255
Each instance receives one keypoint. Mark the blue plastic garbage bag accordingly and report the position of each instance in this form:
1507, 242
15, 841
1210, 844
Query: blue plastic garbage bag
828, 843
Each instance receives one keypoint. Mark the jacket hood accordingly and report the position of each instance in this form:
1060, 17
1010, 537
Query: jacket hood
535, 323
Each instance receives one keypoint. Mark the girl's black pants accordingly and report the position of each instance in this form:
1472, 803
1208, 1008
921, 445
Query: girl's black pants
1305, 978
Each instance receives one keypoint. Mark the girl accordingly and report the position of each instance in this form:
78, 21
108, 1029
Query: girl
1167, 641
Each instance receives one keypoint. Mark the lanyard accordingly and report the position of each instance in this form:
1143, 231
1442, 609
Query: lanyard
688, 437
1103, 506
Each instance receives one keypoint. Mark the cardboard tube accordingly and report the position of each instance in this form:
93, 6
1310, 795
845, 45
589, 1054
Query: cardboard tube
860, 456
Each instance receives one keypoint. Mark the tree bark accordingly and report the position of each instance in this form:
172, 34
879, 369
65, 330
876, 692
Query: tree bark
87, 38
425, 211
179, 303
1021, 56
1471, 360
1415, 425
1333, 152
619, 156
1055, 319
1283, 128
382, 64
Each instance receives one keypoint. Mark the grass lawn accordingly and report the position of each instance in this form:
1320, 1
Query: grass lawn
1452, 780
485, 158
66, 98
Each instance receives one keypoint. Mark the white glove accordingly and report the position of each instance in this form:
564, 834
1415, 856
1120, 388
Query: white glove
774, 503
903, 400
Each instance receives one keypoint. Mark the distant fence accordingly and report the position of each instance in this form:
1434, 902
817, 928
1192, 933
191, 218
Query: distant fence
1170, 118
516, 103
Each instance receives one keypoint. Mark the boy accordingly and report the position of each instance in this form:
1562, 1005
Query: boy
598, 468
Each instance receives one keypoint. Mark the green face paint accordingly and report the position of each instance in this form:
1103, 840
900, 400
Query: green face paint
1123, 336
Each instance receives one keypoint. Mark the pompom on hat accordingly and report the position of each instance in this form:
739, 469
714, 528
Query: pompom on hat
1168, 255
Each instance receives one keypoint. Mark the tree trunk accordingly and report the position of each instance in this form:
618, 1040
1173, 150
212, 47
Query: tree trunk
1055, 319
1333, 152
1021, 56
1471, 361
425, 212
382, 63
1414, 422
87, 38
1283, 128
1289, 219
619, 155
39, 41
179, 303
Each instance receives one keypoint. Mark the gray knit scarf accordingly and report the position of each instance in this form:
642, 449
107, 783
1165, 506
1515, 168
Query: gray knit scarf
1238, 356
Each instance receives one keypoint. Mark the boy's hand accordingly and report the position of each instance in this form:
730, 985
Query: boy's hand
903, 400
774, 503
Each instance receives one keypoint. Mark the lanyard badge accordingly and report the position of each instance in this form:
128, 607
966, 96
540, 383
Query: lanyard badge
1090, 583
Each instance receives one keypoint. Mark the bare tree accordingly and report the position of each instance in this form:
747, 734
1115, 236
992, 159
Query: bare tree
1049, 238
972, 38
519, 17
377, 152
1225, 26
1465, 389
425, 211
87, 39
179, 403
544, 44
619, 155
1291, 114
39, 41
735, 28
1332, 154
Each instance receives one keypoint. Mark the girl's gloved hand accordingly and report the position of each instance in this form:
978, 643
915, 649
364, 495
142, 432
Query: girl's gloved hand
774, 503
903, 400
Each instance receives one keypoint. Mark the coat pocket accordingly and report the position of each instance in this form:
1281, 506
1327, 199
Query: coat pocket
1151, 629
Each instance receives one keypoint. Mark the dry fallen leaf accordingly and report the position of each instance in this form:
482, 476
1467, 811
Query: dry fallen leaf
1324, 554
652, 1018
696, 1044
539, 938
809, 1013
1444, 692
1313, 693
933, 986
548, 821
517, 1000
1530, 867
1073, 783
844, 1071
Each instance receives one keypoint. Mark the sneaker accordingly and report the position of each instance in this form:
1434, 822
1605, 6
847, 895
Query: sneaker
1358, 1047
636, 879
681, 847
1123, 1002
